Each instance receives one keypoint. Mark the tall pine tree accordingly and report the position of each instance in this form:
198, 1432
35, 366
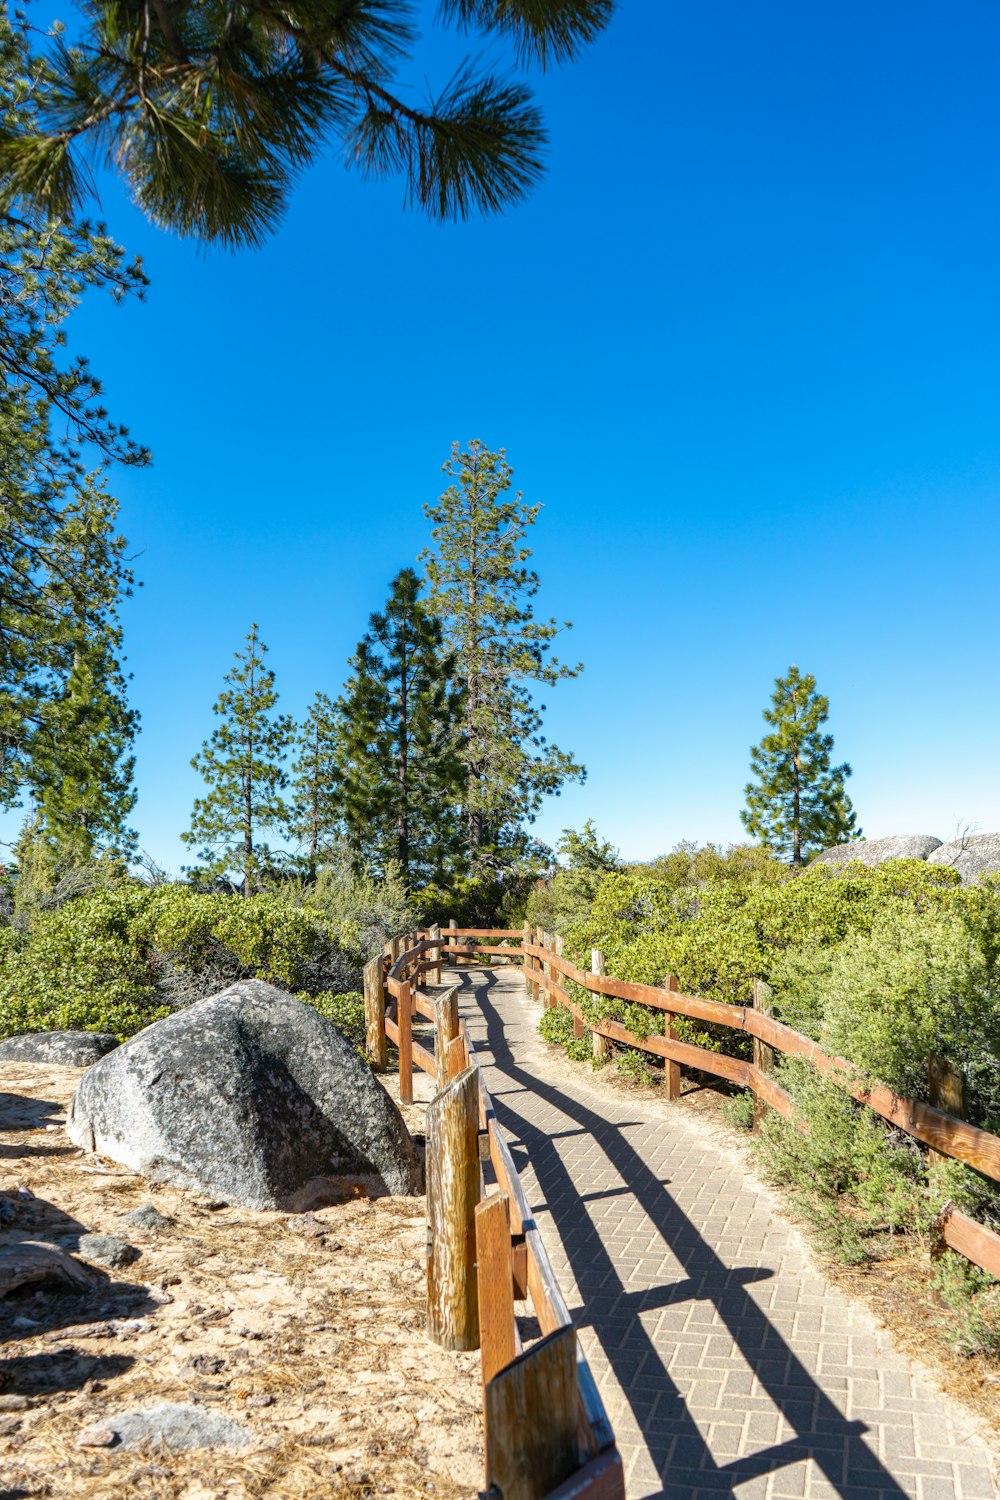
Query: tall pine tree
398, 719
481, 590
81, 767
317, 802
798, 803
243, 765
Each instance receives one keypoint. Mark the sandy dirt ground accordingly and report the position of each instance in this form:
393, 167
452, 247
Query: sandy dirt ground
308, 1331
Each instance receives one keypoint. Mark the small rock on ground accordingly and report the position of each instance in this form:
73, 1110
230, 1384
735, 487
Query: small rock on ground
70, 1049
148, 1217
179, 1427
108, 1250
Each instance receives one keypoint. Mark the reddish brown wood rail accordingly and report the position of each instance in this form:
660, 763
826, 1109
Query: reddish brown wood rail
596, 1472
942, 1132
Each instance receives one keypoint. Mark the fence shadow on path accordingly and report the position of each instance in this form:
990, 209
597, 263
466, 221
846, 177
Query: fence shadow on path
682, 1456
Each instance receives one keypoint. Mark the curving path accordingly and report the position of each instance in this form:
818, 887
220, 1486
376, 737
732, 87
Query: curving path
728, 1365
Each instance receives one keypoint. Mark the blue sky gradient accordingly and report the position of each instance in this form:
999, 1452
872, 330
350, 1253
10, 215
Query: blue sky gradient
743, 346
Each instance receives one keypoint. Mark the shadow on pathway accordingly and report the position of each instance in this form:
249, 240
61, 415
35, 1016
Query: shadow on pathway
683, 1458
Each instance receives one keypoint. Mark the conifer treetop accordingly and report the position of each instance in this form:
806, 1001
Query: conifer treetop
798, 803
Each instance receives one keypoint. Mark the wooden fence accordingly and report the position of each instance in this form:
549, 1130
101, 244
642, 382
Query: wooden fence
547, 1433
544, 966
547, 970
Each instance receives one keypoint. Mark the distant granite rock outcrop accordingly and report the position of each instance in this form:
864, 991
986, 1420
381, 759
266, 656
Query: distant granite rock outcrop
972, 855
876, 851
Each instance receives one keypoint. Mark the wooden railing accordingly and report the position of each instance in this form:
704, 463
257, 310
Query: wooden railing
547, 1433
946, 1134
545, 966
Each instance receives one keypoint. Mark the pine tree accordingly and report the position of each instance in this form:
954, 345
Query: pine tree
317, 801
400, 777
798, 803
81, 767
481, 591
242, 763
50, 413
210, 111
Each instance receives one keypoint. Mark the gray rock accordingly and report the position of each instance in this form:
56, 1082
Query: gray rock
974, 855
874, 852
148, 1217
70, 1049
248, 1097
178, 1427
107, 1250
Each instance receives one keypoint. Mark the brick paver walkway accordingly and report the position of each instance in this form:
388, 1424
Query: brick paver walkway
729, 1366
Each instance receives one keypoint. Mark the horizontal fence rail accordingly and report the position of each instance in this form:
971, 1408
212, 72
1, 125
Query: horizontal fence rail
547, 1434
545, 965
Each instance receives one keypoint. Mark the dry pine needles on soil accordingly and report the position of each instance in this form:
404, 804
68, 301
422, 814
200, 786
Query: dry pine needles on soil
307, 1331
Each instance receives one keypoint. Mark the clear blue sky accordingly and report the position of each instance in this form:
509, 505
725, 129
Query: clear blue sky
742, 344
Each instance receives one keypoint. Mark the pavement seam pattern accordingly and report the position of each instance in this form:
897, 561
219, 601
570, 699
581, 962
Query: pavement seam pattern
728, 1364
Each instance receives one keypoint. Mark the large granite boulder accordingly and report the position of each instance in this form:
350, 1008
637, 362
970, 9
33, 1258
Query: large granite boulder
874, 852
249, 1096
973, 855
70, 1049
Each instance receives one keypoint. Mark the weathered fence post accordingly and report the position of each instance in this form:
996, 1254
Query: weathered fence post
496, 1285
547, 944
946, 1090
531, 1420
457, 1057
404, 1021
600, 1044
378, 1049
526, 963
452, 1195
763, 1055
672, 1070
434, 955
445, 1031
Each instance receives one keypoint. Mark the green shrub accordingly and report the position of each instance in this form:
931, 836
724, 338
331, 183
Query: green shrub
556, 1025
347, 1012
911, 985
853, 1179
119, 959
739, 1110
972, 1297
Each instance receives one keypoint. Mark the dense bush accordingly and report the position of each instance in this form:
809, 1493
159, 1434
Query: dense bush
846, 1173
882, 966
122, 958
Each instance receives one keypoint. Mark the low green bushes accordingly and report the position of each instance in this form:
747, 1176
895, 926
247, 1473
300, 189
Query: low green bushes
121, 958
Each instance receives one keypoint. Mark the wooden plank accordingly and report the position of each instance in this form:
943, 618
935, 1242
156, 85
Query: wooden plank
594, 1431
763, 1054
495, 1284
404, 1042
671, 1067
445, 1017
434, 954
452, 1195
602, 1479
499, 933
458, 1057
771, 1093
600, 1046
392, 1030
424, 1059
375, 1040
531, 1417
974, 1241
527, 965
423, 1005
